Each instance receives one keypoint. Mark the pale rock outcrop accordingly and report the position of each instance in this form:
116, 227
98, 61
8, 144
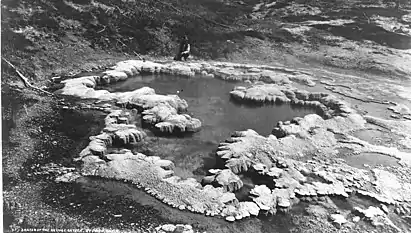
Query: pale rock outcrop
266, 74
124, 98
261, 195
180, 69
162, 111
123, 134
269, 76
80, 87
250, 207
83, 87
291, 178
391, 187
303, 78
165, 119
376, 216
113, 76
246, 148
225, 178
305, 125
156, 176
327, 104
230, 73
283, 197
270, 93
153, 100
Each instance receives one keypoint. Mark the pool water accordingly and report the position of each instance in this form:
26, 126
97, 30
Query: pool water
208, 100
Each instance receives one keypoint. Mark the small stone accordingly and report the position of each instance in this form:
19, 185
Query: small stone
230, 218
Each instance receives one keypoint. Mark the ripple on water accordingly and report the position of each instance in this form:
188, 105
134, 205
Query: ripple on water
208, 100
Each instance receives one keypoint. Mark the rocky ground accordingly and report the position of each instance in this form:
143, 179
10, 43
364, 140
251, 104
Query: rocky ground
344, 170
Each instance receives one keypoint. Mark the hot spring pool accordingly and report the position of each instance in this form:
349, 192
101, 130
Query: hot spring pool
208, 100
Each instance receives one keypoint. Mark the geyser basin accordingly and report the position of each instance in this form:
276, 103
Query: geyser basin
208, 100
281, 160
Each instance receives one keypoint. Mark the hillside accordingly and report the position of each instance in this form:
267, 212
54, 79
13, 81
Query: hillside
44, 35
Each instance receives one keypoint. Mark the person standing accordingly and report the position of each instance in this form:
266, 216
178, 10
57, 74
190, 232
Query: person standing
184, 49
